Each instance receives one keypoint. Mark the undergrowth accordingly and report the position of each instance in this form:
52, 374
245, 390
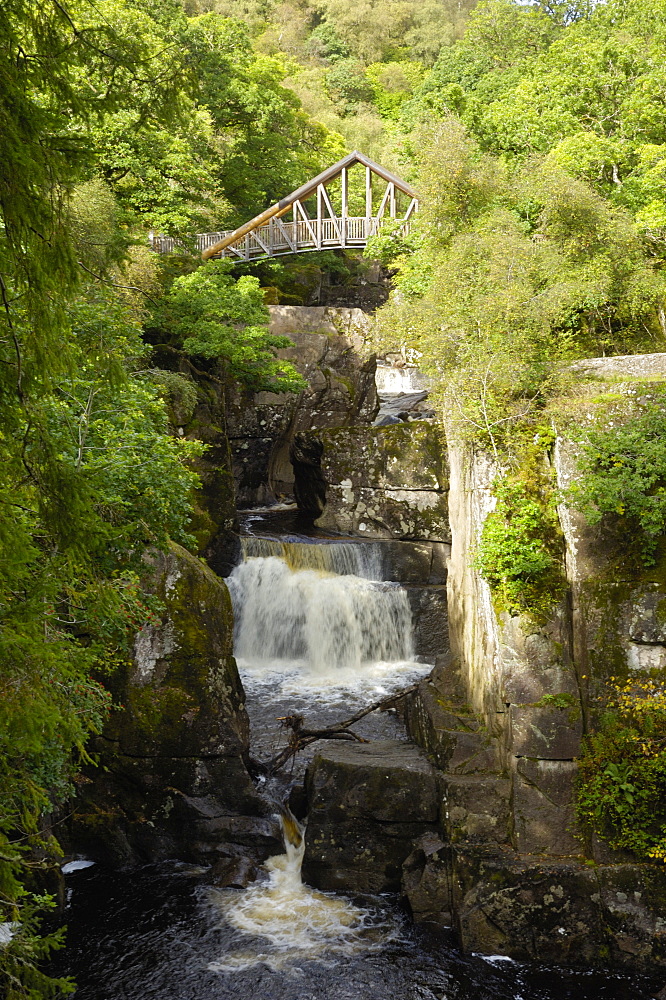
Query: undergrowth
622, 771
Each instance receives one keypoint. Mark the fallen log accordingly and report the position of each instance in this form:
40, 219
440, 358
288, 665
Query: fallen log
301, 737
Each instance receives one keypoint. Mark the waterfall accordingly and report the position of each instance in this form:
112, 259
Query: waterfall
391, 380
364, 559
316, 614
287, 921
317, 618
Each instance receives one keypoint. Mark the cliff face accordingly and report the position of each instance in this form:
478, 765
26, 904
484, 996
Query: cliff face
330, 352
386, 482
527, 881
503, 715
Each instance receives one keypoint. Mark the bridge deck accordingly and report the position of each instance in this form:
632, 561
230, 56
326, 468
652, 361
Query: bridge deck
277, 237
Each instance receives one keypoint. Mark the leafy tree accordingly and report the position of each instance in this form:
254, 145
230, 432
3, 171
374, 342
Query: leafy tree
77, 499
515, 273
380, 30
583, 85
347, 85
213, 316
623, 477
622, 770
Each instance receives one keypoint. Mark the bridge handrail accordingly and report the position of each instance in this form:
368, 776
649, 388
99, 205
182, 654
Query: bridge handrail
278, 237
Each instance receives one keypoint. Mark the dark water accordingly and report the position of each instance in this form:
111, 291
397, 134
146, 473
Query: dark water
151, 934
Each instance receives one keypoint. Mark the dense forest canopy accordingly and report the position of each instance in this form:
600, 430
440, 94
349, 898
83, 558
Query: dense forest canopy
537, 136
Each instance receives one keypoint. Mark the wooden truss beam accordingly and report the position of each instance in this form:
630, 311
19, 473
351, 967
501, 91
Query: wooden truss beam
316, 186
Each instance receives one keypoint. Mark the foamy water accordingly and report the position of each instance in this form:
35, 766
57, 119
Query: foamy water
290, 923
326, 625
317, 630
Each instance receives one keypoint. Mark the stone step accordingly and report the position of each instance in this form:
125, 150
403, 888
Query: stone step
456, 739
536, 908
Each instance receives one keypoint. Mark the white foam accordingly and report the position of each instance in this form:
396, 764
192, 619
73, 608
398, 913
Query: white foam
494, 959
325, 623
295, 680
75, 866
294, 922
8, 931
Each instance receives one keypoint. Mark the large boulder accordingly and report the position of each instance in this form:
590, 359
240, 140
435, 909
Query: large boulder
386, 482
368, 805
171, 780
549, 910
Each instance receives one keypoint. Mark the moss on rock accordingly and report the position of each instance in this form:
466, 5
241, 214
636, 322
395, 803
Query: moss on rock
172, 780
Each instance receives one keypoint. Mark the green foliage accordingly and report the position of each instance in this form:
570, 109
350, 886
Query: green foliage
581, 86
383, 30
347, 85
560, 701
213, 316
519, 551
513, 274
88, 475
622, 771
393, 84
623, 477
325, 42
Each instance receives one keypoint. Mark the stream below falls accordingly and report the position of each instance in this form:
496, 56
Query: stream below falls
319, 631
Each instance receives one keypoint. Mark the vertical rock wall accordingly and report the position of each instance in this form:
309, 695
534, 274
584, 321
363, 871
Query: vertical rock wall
504, 719
172, 780
330, 352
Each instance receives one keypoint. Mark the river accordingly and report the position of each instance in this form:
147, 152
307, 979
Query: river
320, 632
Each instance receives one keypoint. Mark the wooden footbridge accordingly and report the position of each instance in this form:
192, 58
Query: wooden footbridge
327, 225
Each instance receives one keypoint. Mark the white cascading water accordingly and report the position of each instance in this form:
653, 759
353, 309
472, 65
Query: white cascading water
316, 628
390, 380
296, 923
364, 559
319, 611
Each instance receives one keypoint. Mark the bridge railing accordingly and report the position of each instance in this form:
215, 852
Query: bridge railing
278, 237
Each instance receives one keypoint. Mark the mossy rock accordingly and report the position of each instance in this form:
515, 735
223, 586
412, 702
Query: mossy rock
172, 781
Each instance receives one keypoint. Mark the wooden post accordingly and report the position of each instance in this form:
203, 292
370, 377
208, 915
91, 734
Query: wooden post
368, 200
320, 208
345, 205
392, 186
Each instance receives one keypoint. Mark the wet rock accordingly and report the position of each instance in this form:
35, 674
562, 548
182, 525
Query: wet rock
430, 621
171, 780
414, 562
476, 809
541, 909
398, 406
309, 485
519, 907
233, 873
367, 805
426, 881
454, 737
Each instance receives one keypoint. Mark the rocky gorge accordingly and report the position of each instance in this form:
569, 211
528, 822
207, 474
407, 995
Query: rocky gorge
471, 820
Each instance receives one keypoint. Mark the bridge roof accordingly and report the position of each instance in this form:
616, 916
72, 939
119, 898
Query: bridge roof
304, 191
